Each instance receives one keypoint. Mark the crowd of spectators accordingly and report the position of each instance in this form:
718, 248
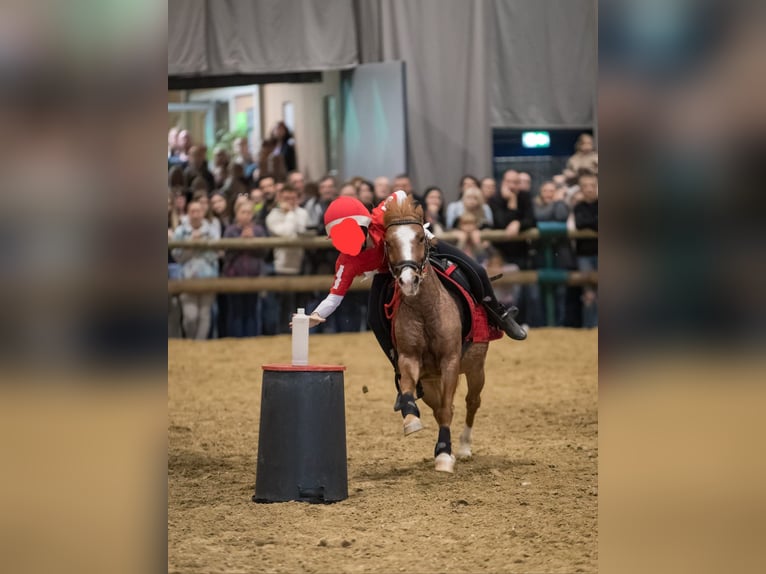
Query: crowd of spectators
235, 195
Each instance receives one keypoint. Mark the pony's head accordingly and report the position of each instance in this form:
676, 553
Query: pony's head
406, 243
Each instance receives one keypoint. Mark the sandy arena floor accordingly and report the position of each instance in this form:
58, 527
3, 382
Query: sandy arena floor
526, 502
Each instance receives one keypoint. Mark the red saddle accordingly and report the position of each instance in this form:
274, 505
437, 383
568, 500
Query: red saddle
476, 327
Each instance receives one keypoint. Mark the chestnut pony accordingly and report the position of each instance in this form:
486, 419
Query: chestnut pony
428, 335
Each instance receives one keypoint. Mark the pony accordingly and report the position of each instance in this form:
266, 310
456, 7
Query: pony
427, 334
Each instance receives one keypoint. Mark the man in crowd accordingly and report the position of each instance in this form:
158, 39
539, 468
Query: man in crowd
268, 193
297, 182
198, 168
586, 217
382, 189
513, 212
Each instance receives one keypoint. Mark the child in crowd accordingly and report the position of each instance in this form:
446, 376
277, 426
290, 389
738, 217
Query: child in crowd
469, 241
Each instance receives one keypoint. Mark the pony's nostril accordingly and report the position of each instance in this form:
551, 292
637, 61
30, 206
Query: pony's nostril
401, 281
416, 280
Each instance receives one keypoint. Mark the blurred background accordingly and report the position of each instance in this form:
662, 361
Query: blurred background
86, 104
483, 111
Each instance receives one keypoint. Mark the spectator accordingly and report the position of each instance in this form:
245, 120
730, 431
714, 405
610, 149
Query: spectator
174, 220
366, 193
277, 155
310, 192
317, 206
173, 149
198, 168
382, 189
220, 209
586, 217
472, 202
488, 189
179, 204
196, 264
233, 187
469, 241
296, 181
267, 189
348, 189
403, 182
285, 146
434, 209
287, 219
177, 184
200, 196
184, 142
548, 208
220, 166
242, 320
585, 156
468, 181
508, 295
525, 182
256, 198
244, 158
513, 212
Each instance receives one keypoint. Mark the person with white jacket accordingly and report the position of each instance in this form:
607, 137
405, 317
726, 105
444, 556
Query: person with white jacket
287, 219
196, 264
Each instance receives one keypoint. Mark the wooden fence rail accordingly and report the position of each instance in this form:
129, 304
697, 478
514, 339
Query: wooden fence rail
314, 242
304, 283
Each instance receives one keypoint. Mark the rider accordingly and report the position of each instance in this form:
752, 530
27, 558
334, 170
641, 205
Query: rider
360, 238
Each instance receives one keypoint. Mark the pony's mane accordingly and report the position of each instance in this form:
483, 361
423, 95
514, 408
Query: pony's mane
396, 211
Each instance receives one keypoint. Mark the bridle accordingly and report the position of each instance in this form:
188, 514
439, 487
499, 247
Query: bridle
397, 269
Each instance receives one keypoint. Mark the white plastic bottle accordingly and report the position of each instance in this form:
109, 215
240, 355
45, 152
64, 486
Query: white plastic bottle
300, 338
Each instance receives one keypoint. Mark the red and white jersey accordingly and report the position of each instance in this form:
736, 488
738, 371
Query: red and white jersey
347, 267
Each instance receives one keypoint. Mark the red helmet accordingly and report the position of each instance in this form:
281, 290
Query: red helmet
342, 221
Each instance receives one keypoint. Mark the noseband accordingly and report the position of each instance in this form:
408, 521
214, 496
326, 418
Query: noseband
397, 269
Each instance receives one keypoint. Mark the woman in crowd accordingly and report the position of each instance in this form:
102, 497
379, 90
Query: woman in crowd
471, 202
201, 197
433, 199
219, 209
366, 192
196, 264
584, 158
242, 319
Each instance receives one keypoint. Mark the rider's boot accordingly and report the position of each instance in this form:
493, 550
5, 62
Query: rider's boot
503, 318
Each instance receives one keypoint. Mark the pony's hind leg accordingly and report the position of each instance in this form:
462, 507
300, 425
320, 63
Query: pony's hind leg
475, 378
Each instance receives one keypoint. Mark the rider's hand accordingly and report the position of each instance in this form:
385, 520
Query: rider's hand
314, 320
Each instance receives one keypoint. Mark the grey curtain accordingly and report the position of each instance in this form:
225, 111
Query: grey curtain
225, 37
544, 63
187, 49
443, 45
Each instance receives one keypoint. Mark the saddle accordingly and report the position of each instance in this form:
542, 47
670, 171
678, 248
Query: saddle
473, 316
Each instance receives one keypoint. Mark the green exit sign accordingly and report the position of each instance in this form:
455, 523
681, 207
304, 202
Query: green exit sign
536, 139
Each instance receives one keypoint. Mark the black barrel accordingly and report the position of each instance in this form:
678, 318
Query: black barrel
302, 437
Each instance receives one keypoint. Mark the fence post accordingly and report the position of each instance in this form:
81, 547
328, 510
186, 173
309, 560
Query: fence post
548, 276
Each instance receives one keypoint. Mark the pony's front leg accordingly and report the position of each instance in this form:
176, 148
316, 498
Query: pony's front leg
409, 367
444, 460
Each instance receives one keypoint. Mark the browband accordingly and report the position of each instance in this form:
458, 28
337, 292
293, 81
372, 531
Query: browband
405, 222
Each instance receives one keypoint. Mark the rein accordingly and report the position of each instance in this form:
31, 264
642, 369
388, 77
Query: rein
397, 269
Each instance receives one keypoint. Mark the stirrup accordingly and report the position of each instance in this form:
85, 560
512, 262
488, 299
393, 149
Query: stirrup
504, 319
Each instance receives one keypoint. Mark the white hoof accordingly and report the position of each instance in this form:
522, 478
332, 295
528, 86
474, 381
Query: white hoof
412, 424
445, 463
464, 451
